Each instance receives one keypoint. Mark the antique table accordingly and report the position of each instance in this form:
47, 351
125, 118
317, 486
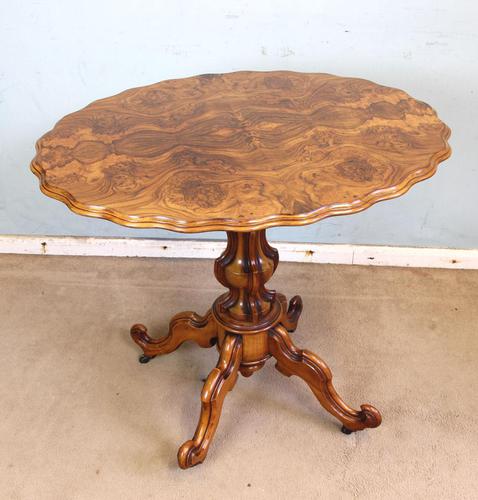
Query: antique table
242, 152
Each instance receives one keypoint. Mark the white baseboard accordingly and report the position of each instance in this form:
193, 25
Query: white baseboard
207, 249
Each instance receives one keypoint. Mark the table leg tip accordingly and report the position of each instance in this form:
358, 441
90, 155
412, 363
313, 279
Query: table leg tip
143, 359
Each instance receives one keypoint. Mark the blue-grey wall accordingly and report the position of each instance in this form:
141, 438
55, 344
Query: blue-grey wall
57, 56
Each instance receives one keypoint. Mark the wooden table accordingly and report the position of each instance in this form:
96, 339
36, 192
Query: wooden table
242, 152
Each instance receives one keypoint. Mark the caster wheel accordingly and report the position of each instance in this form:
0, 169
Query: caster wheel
143, 359
345, 430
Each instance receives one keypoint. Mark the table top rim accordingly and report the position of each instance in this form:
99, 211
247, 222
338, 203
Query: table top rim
227, 224
208, 225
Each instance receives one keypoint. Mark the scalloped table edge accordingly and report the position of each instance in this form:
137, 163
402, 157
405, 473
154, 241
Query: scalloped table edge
200, 226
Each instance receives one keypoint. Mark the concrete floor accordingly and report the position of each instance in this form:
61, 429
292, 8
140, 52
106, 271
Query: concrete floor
80, 418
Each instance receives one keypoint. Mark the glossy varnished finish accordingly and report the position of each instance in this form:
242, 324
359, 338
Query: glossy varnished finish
219, 382
240, 151
182, 327
314, 371
245, 266
249, 324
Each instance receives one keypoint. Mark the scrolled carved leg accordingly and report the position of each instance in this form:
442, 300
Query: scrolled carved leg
316, 373
291, 318
219, 382
182, 327
249, 323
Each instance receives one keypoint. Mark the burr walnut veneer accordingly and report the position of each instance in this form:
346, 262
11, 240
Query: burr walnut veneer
242, 152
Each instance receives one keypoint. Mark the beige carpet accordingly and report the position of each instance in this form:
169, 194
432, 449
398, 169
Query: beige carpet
80, 418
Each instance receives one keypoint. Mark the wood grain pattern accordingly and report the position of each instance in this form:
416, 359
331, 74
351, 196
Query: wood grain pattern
249, 324
240, 151
219, 382
315, 372
245, 266
184, 326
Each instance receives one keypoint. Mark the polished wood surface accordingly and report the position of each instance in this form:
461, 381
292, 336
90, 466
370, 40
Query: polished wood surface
249, 324
182, 327
240, 151
315, 372
219, 382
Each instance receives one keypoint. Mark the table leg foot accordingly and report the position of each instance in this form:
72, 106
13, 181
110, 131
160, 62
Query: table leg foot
315, 372
143, 359
183, 327
219, 382
345, 430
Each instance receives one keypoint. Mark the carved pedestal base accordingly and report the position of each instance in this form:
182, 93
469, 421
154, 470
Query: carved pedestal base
249, 324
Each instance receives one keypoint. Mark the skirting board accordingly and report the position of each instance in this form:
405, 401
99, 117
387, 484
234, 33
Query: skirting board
208, 249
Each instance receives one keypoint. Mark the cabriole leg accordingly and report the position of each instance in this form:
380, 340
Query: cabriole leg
219, 382
315, 372
182, 327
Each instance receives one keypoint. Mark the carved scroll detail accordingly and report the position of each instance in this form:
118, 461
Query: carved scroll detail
219, 382
315, 372
182, 327
291, 317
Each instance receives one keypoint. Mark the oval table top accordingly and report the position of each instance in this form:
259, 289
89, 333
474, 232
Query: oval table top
240, 151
